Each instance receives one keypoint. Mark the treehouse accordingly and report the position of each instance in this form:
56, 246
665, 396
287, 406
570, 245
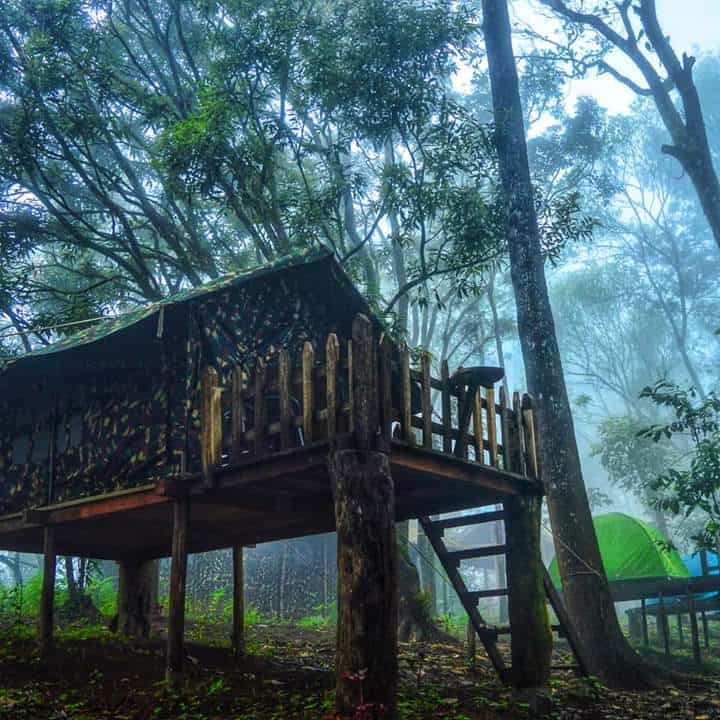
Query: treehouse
262, 406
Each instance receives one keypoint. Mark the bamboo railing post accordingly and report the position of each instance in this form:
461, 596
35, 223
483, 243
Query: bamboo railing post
426, 400
211, 419
508, 437
332, 358
518, 462
478, 428
408, 435
308, 367
530, 432
260, 374
492, 426
284, 380
386, 408
238, 414
446, 407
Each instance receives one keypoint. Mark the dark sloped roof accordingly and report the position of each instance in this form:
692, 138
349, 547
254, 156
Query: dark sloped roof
117, 325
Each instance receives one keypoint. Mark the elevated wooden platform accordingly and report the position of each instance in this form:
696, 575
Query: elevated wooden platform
283, 495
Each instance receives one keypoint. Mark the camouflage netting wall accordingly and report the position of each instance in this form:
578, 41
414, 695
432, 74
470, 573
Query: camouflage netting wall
125, 425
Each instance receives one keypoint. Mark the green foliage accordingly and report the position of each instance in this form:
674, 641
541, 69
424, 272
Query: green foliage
694, 486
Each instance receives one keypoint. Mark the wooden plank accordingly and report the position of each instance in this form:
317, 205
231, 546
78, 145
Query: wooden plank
365, 383
426, 401
446, 407
478, 428
332, 359
507, 437
386, 408
211, 422
308, 390
238, 413
456, 556
260, 411
47, 596
492, 426
663, 622
286, 413
406, 414
466, 520
238, 635
178, 574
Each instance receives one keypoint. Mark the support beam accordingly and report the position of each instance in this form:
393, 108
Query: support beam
645, 634
532, 639
238, 635
178, 573
47, 597
137, 597
367, 595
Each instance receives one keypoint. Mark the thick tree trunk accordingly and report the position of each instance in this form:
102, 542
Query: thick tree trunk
585, 585
532, 638
367, 597
137, 595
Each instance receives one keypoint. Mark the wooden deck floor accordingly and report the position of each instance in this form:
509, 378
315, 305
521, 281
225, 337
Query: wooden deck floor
284, 495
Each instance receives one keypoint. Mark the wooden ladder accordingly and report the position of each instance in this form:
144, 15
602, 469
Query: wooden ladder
488, 634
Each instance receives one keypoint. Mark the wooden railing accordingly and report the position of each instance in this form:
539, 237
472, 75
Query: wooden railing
278, 407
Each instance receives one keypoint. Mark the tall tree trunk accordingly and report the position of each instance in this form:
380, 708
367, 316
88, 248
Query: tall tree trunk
585, 585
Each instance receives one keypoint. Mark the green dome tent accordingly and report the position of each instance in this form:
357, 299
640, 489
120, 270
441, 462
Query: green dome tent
631, 549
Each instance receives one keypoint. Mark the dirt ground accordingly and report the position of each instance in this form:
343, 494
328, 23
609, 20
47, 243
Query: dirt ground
288, 675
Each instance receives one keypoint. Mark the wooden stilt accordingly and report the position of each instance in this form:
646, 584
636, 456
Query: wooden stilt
705, 629
47, 597
662, 621
178, 572
695, 637
681, 635
532, 640
238, 635
367, 556
645, 634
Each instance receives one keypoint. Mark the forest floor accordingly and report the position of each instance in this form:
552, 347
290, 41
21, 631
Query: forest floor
288, 675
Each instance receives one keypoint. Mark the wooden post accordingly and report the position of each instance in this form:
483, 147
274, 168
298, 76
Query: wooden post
426, 401
407, 429
238, 414
367, 558
238, 635
532, 640
47, 597
332, 359
386, 379
137, 595
308, 366
705, 629
663, 623
478, 429
681, 638
446, 407
284, 380
178, 573
260, 412
491, 426
694, 629
645, 634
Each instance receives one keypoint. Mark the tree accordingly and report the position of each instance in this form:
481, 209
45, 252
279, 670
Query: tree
585, 585
649, 48
694, 486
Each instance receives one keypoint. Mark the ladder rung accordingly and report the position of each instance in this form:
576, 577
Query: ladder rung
462, 521
494, 592
455, 556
